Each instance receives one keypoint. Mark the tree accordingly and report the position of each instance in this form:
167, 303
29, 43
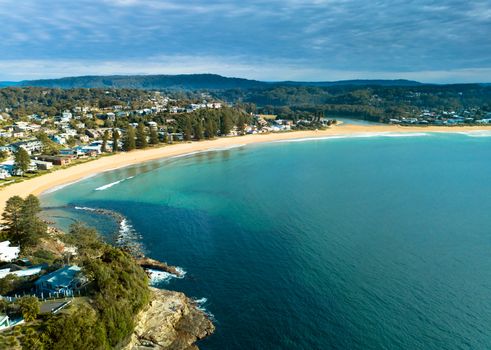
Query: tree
210, 128
32, 227
188, 129
49, 146
11, 216
241, 121
105, 137
21, 160
154, 136
225, 124
141, 136
198, 130
129, 141
22, 225
115, 140
29, 307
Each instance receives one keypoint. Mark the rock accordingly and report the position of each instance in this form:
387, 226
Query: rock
148, 263
171, 321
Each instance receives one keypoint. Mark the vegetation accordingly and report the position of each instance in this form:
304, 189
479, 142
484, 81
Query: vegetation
22, 225
104, 319
29, 307
129, 143
22, 161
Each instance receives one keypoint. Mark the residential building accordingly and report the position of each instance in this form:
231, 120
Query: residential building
7, 252
64, 280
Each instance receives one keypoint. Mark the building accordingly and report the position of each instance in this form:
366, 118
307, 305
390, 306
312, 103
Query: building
64, 280
8, 253
31, 146
42, 165
55, 159
4, 321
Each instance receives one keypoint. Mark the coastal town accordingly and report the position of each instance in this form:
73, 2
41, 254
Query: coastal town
83, 132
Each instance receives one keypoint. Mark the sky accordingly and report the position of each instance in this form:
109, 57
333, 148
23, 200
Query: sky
309, 40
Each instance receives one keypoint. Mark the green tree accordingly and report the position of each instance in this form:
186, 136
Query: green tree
49, 146
32, 227
29, 307
115, 140
22, 225
12, 218
129, 141
141, 136
154, 136
21, 160
225, 124
198, 130
105, 138
188, 129
241, 121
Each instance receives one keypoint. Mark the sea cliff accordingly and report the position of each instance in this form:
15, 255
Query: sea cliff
170, 321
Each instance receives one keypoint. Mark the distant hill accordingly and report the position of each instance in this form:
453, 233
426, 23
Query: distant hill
189, 82
182, 81
357, 82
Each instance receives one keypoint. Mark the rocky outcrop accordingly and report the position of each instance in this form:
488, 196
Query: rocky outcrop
171, 321
148, 263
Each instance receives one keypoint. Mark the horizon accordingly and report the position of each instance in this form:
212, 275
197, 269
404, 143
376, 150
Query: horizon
290, 40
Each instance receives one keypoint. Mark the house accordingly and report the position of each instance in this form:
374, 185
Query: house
42, 165
55, 159
31, 146
4, 321
4, 173
64, 280
8, 253
18, 271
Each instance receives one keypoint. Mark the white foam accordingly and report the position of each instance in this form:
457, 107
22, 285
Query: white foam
361, 135
59, 187
477, 133
158, 277
200, 305
85, 208
105, 187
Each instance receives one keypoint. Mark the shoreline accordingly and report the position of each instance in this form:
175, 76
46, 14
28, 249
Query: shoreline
64, 177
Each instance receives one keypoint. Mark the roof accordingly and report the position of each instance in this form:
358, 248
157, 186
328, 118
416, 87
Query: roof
61, 277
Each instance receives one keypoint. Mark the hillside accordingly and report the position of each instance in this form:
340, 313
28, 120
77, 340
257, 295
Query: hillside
189, 82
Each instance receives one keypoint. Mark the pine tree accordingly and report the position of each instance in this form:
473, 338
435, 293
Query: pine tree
154, 136
188, 129
241, 121
209, 129
129, 141
115, 140
105, 137
225, 124
141, 136
198, 130
11, 217
22, 160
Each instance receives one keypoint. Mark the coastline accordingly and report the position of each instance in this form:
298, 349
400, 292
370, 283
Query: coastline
76, 173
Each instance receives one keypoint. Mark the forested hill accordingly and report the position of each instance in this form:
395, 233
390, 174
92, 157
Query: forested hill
189, 82
182, 81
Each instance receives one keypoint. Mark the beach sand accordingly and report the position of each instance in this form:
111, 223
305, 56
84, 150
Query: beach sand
42, 183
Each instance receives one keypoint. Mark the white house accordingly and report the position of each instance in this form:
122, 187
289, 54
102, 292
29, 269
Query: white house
8, 253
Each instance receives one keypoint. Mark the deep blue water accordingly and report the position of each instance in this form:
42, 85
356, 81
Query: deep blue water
355, 243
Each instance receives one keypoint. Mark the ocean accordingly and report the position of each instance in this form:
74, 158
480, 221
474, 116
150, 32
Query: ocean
374, 242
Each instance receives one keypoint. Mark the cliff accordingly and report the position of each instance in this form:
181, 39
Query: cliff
171, 321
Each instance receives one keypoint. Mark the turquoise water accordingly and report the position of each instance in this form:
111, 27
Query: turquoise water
348, 243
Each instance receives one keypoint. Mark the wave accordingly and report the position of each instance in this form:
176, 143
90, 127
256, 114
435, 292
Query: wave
363, 135
128, 237
158, 277
200, 305
59, 187
477, 133
105, 187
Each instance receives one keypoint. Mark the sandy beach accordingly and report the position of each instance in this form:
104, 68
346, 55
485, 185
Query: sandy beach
40, 184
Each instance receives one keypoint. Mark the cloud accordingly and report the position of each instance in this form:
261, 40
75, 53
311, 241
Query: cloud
275, 70
327, 35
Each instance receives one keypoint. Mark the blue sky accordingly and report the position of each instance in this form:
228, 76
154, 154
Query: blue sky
431, 41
